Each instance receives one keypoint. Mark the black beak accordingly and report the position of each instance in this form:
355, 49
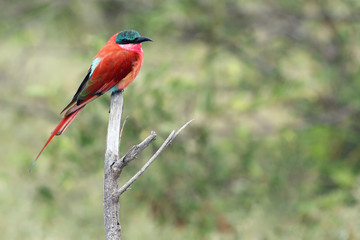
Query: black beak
142, 39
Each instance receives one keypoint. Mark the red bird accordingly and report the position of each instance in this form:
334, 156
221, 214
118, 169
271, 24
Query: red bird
114, 67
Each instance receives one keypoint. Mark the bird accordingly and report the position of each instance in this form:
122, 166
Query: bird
114, 67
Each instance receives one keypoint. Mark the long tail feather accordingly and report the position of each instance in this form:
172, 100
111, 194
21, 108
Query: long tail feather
58, 130
70, 118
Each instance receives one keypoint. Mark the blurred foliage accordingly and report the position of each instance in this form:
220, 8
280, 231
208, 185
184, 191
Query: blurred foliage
273, 152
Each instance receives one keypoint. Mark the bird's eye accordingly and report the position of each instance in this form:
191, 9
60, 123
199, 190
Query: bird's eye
125, 41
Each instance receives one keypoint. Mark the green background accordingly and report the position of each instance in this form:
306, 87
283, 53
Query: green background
273, 152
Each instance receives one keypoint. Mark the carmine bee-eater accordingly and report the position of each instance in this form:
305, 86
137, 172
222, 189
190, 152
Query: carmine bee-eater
114, 67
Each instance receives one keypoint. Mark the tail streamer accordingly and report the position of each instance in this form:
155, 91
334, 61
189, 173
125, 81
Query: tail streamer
58, 130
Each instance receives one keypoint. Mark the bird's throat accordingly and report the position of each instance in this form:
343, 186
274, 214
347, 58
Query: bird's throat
132, 47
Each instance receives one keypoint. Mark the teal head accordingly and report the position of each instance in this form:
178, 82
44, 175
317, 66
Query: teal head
130, 36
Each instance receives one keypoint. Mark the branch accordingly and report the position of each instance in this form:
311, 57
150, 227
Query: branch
122, 128
165, 144
114, 166
111, 181
147, 164
132, 153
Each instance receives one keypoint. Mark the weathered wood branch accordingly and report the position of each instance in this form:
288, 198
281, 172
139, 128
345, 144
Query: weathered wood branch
111, 179
113, 165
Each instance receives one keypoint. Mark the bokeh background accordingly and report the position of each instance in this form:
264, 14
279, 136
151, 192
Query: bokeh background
273, 87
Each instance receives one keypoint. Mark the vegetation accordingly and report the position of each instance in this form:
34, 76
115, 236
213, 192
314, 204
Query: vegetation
273, 152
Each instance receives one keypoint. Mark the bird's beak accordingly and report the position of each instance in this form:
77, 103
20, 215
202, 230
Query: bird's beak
142, 39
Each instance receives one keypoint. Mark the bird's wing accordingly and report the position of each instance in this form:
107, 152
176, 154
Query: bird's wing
104, 73
110, 70
81, 87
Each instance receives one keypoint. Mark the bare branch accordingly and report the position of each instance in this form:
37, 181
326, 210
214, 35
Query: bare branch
111, 180
122, 128
165, 144
133, 152
182, 128
147, 164
114, 165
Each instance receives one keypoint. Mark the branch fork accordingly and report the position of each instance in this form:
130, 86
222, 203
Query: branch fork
114, 165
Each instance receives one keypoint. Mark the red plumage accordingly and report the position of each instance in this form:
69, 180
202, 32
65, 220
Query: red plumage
115, 65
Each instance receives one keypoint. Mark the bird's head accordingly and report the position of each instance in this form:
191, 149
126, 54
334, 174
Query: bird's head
130, 36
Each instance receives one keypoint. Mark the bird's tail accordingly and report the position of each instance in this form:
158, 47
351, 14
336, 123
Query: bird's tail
58, 130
